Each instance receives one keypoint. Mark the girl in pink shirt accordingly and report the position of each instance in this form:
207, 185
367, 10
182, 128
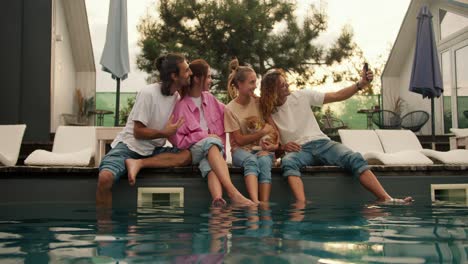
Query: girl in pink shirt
203, 133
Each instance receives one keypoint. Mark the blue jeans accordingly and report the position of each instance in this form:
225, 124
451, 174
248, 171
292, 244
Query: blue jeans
114, 161
200, 150
323, 152
254, 164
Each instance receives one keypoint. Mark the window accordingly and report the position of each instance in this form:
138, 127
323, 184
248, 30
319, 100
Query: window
447, 96
461, 62
450, 23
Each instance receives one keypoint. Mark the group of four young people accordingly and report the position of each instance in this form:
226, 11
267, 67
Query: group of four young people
180, 108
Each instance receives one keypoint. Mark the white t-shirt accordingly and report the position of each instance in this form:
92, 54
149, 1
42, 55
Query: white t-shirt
153, 109
198, 103
295, 119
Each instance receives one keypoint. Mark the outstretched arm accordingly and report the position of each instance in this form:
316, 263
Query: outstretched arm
349, 91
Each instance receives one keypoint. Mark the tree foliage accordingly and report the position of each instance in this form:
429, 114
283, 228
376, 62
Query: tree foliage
261, 33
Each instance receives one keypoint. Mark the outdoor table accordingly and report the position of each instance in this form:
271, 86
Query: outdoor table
369, 113
100, 115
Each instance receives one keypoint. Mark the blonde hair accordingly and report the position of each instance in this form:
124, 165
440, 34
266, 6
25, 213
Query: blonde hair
269, 91
238, 74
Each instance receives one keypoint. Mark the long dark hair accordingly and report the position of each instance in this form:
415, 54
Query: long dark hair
167, 65
199, 68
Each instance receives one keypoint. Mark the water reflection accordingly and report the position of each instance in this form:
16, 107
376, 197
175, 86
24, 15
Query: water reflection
272, 233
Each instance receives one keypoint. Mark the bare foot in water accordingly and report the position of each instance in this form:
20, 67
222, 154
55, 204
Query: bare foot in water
218, 202
239, 199
406, 200
133, 167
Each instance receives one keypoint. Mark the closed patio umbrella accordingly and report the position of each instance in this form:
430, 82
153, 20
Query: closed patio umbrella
425, 76
115, 54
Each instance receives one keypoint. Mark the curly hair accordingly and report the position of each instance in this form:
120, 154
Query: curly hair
238, 74
269, 91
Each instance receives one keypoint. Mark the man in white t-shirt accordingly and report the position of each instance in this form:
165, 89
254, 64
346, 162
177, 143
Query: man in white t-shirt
148, 125
303, 141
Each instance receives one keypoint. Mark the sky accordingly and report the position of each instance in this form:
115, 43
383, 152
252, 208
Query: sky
375, 23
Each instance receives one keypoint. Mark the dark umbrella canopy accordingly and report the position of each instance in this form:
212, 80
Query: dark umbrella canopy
115, 54
425, 76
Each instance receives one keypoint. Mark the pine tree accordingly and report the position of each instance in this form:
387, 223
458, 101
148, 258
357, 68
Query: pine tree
261, 33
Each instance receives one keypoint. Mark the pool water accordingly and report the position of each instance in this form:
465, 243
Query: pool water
274, 233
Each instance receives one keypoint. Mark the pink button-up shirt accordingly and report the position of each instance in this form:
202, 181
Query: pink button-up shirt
191, 132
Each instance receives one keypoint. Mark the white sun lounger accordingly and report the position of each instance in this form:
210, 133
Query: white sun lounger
73, 146
368, 144
460, 140
405, 140
10, 143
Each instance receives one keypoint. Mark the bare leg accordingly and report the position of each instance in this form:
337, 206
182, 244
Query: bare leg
214, 186
103, 192
264, 163
252, 218
219, 226
219, 166
297, 214
370, 182
251, 182
264, 207
163, 160
297, 187
265, 189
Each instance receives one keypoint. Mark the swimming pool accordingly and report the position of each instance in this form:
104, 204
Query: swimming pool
275, 233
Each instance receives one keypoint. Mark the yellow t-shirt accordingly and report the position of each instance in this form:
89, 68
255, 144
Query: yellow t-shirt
234, 119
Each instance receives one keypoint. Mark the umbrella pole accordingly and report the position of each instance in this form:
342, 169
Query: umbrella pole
117, 103
433, 124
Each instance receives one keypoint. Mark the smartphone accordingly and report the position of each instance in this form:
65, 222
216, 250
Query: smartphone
366, 68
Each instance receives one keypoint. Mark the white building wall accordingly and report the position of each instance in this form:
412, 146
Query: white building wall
396, 84
64, 83
413, 101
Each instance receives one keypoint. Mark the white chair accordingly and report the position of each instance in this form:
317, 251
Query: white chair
73, 146
460, 140
405, 140
368, 144
10, 143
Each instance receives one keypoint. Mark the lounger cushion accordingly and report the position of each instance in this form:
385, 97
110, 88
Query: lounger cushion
402, 140
460, 132
407, 158
46, 158
368, 144
73, 146
453, 157
398, 140
70, 139
8, 160
10, 143
361, 141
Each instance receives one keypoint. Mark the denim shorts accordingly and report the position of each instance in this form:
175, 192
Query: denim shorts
254, 164
200, 150
114, 161
323, 152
